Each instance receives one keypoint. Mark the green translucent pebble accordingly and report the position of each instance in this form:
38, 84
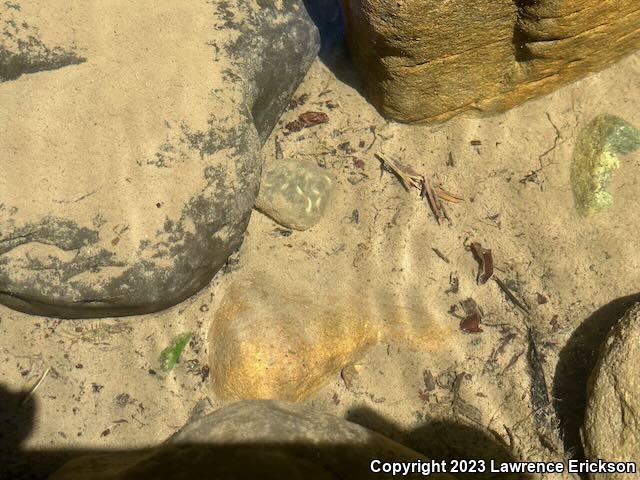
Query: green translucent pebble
170, 355
595, 158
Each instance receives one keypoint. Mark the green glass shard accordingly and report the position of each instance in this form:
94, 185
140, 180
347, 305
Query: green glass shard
170, 355
596, 157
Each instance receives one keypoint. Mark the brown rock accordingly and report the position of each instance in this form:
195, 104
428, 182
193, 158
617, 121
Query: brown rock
612, 419
430, 60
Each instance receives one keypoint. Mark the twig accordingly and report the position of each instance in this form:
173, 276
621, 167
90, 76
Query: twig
511, 296
407, 176
447, 196
533, 174
428, 192
35, 387
441, 255
429, 188
512, 442
372, 129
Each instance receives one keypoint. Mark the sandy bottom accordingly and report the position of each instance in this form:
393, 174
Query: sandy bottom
451, 393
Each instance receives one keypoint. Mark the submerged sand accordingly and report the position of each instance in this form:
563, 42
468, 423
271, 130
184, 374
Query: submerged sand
105, 391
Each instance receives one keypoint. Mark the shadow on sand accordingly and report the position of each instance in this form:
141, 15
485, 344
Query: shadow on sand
577, 360
440, 440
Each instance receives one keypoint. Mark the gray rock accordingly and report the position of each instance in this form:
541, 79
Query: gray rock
130, 147
257, 440
295, 194
612, 419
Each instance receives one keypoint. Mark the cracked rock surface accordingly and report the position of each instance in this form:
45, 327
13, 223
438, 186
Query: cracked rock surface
426, 61
130, 152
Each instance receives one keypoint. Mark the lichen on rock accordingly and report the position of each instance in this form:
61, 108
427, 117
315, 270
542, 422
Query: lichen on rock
595, 159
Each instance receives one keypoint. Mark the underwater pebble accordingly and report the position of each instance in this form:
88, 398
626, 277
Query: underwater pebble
595, 158
294, 194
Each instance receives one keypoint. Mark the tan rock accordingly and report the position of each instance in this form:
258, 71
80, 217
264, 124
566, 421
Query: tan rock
270, 340
130, 146
430, 60
612, 420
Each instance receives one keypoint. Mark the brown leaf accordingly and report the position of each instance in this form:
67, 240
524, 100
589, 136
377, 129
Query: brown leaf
471, 323
313, 118
485, 258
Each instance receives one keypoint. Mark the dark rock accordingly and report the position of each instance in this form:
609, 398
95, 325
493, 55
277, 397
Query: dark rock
131, 161
257, 440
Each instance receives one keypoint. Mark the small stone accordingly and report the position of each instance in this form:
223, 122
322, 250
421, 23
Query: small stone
612, 419
122, 400
294, 194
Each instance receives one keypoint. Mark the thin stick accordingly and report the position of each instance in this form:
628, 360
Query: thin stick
433, 199
35, 387
447, 196
510, 295
407, 176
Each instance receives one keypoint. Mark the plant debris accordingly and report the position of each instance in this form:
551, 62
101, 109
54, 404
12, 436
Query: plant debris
473, 317
429, 193
454, 284
407, 175
170, 355
35, 387
430, 188
541, 299
313, 118
306, 120
471, 323
451, 161
441, 255
358, 163
485, 257
510, 296
349, 374
429, 380
281, 232
461, 408
298, 101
